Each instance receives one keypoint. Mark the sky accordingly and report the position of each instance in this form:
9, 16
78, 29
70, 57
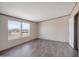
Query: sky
15, 24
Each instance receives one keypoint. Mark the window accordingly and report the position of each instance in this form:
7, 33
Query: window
14, 29
25, 29
17, 29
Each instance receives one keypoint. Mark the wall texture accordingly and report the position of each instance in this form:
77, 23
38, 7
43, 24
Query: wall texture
4, 42
55, 29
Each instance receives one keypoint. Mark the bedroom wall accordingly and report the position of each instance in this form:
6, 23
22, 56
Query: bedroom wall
54, 29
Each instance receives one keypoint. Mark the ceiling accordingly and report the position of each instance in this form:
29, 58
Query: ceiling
36, 11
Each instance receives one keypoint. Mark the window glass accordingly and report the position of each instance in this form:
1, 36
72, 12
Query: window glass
25, 29
14, 29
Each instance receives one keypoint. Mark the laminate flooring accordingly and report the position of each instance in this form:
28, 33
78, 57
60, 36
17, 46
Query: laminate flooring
41, 48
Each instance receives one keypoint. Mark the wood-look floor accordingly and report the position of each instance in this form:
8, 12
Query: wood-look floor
41, 48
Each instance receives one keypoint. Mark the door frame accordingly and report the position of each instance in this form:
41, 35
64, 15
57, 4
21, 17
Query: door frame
75, 31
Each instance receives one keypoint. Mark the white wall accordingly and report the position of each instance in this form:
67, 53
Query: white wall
4, 43
71, 33
55, 29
